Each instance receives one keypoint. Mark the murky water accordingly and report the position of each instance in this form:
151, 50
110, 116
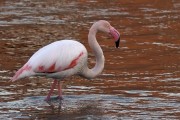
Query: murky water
141, 80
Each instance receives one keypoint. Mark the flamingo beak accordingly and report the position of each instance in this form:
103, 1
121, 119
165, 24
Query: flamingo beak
116, 35
117, 42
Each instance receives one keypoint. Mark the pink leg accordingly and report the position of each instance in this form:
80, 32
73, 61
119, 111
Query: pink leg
51, 90
60, 90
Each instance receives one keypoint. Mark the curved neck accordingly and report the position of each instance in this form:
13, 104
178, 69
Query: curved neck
97, 51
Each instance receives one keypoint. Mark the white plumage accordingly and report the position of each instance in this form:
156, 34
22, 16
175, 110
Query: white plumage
55, 58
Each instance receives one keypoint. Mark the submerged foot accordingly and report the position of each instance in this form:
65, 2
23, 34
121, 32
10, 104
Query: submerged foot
60, 101
54, 100
49, 102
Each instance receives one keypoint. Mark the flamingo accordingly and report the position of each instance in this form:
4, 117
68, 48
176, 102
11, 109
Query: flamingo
65, 58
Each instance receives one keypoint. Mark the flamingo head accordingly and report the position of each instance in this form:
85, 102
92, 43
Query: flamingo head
105, 26
116, 35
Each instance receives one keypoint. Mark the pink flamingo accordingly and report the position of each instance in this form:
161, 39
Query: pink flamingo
65, 58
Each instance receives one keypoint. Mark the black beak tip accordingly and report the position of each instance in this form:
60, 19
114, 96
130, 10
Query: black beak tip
117, 42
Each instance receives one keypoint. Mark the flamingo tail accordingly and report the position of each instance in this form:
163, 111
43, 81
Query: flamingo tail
25, 71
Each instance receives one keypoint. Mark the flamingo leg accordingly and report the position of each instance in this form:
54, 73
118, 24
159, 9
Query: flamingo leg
60, 94
51, 90
60, 90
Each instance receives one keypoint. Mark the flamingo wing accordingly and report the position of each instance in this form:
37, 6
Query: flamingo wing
55, 57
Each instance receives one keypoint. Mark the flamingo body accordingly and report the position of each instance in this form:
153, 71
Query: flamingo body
65, 56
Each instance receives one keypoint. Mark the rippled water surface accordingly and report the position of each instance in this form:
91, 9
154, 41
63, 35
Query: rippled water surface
141, 79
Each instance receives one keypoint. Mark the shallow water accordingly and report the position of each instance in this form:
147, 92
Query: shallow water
141, 79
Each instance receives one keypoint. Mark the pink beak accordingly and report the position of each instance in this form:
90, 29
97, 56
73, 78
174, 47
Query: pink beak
116, 35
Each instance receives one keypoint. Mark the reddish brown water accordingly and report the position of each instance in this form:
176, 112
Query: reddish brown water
141, 79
